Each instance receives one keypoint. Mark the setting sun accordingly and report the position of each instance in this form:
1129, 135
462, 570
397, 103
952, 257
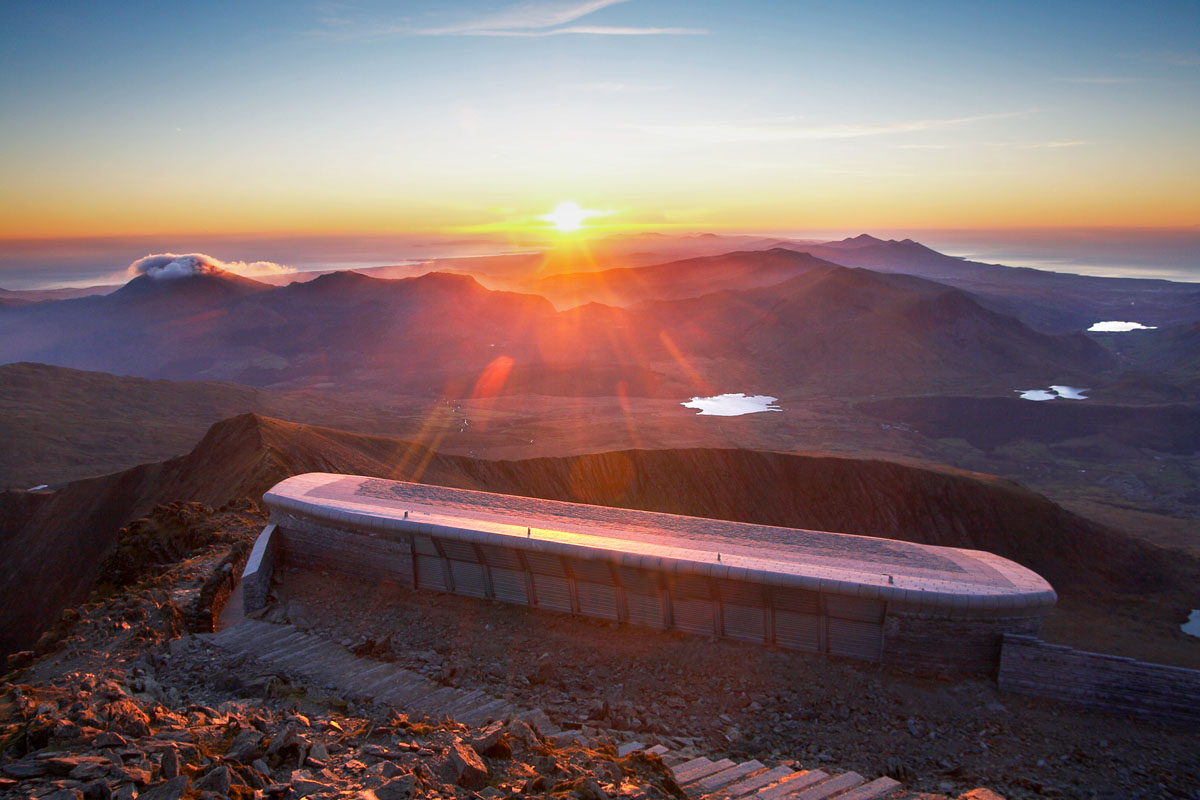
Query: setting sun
568, 216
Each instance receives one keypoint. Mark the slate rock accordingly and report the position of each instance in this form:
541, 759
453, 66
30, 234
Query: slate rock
216, 780
462, 766
487, 738
63, 794
25, 768
402, 788
246, 747
174, 789
97, 790
110, 739
170, 764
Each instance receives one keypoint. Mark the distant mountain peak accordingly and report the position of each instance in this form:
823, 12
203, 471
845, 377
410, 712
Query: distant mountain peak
213, 280
862, 240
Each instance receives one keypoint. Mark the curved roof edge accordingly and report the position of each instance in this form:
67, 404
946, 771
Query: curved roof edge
1033, 597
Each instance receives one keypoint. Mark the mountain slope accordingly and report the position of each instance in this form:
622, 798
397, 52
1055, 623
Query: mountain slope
1054, 302
675, 280
51, 548
854, 330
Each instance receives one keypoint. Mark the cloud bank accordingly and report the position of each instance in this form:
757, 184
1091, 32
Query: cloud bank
168, 266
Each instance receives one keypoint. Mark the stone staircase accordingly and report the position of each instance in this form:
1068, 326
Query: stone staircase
704, 779
324, 663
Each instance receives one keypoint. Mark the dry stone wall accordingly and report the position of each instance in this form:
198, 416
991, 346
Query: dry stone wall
1095, 680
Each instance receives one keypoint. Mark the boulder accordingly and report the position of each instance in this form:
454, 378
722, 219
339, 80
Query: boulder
462, 766
486, 739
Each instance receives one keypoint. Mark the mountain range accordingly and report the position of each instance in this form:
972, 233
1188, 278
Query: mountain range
795, 323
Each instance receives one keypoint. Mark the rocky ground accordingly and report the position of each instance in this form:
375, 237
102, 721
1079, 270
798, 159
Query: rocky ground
730, 699
122, 699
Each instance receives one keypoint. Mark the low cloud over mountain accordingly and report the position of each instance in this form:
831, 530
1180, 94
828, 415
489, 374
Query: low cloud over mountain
165, 266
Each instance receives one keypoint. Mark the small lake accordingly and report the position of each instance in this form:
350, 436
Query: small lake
1052, 393
1117, 326
732, 405
1192, 626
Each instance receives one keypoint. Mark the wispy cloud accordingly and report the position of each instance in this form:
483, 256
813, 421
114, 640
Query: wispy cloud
586, 30
1100, 79
527, 20
996, 145
1175, 58
782, 131
616, 87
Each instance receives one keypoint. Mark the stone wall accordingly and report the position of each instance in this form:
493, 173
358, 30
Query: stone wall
259, 569
1094, 680
902, 638
937, 646
371, 555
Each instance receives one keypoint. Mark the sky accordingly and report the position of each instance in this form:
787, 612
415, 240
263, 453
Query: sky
314, 118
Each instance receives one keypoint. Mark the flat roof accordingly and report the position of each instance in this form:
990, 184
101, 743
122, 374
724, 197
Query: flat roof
917, 575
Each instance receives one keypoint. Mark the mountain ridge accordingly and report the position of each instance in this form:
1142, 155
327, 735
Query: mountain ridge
51, 546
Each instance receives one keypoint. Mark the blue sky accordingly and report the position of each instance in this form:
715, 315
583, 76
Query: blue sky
340, 117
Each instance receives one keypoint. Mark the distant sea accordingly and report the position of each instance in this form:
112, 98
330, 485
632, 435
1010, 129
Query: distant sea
34, 264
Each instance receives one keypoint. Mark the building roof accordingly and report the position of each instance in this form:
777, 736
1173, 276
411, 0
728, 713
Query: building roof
919, 576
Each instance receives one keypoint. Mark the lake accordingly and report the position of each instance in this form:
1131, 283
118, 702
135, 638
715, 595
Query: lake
732, 405
1052, 393
1117, 326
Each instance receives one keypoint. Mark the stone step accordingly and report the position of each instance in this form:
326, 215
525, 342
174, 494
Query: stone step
875, 790
266, 635
436, 700
689, 764
360, 668
628, 748
384, 683
480, 713
685, 775
465, 702
658, 750
234, 635
408, 691
826, 789
723, 778
272, 641
359, 683
296, 654
791, 784
674, 759
753, 783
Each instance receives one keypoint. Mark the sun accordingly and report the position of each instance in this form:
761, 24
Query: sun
568, 216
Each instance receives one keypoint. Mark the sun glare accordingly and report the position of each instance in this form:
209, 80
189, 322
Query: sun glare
568, 216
